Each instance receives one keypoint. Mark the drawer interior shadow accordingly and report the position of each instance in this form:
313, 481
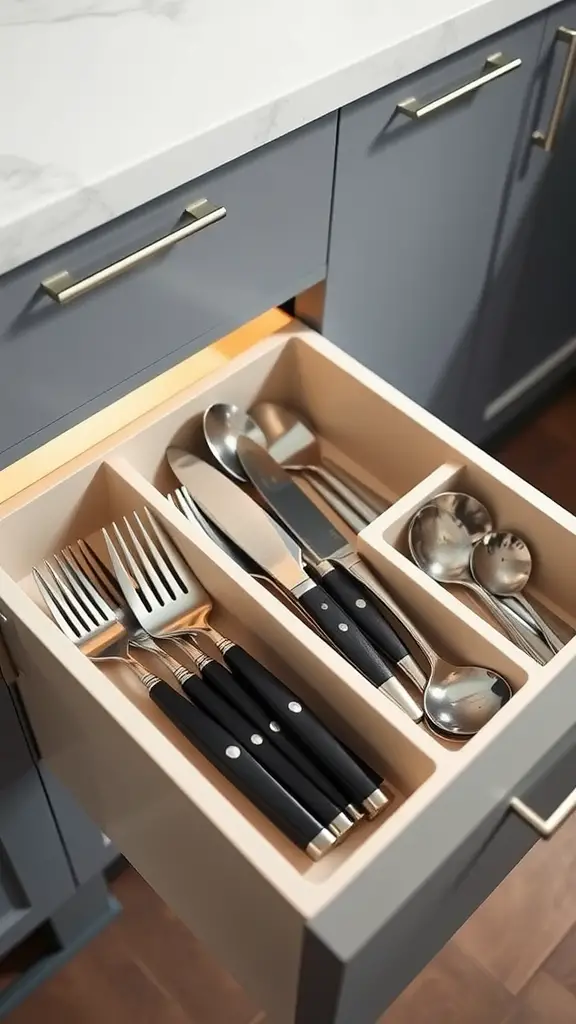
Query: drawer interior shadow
81, 504
552, 545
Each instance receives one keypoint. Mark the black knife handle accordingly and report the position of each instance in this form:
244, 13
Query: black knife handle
291, 710
348, 637
239, 767
352, 596
234, 689
258, 744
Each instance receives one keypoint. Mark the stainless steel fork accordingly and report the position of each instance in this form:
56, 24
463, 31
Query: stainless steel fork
96, 627
169, 601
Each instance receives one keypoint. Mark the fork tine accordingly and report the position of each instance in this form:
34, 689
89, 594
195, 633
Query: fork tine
131, 595
181, 504
179, 568
152, 562
96, 603
105, 580
78, 592
52, 599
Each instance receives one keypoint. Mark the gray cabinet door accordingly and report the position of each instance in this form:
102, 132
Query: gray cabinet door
527, 335
416, 208
35, 877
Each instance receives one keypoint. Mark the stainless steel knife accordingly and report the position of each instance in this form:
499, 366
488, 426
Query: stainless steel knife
244, 522
338, 565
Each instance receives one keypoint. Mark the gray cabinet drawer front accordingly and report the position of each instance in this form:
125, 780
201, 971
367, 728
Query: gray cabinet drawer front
34, 874
416, 209
361, 952
272, 242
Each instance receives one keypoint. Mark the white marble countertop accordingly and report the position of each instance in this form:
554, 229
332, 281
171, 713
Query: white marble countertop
105, 104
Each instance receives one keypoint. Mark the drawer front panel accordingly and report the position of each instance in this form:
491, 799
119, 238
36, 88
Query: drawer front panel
369, 981
333, 942
272, 242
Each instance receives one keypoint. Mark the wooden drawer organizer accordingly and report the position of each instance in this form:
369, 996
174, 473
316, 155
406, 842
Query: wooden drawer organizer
307, 939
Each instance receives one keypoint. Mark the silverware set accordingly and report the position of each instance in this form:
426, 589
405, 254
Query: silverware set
248, 724
452, 538
147, 604
285, 538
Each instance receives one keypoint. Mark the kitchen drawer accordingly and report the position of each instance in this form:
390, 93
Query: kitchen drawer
54, 359
331, 942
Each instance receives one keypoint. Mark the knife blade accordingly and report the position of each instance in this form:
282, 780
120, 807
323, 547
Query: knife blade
340, 567
249, 526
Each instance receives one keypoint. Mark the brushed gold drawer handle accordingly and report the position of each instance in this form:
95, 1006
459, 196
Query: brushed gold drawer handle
545, 827
62, 288
496, 65
546, 140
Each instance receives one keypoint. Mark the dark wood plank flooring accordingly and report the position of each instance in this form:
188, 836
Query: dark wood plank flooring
514, 962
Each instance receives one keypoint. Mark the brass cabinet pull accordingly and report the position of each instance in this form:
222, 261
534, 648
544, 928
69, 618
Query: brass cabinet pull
495, 66
546, 140
63, 288
545, 827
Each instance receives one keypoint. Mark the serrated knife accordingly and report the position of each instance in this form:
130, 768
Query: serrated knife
343, 573
249, 526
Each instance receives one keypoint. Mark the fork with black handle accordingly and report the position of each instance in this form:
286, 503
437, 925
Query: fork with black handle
96, 628
231, 689
167, 599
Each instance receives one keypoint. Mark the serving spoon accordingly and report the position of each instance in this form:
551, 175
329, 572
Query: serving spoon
501, 563
442, 547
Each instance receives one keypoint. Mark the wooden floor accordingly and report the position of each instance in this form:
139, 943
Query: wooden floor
514, 962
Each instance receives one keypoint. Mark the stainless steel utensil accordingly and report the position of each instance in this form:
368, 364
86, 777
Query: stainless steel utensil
84, 615
251, 529
334, 559
170, 602
223, 424
289, 438
501, 563
478, 522
441, 546
458, 699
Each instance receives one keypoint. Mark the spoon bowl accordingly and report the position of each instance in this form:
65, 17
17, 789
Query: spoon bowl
502, 564
471, 513
440, 544
459, 700
442, 547
222, 425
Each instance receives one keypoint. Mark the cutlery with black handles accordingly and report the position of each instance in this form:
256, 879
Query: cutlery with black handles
347, 578
168, 600
100, 631
231, 688
250, 528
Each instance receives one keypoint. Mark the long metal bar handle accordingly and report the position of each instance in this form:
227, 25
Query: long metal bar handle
545, 827
62, 287
546, 140
495, 66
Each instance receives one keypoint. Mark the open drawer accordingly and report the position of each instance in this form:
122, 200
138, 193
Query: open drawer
331, 942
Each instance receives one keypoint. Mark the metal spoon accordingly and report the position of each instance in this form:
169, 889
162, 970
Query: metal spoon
441, 546
457, 699
290, 438
478, 522
502, 564
222, 425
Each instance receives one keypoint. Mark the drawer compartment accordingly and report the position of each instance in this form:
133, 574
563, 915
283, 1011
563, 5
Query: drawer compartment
308, 940
271, 243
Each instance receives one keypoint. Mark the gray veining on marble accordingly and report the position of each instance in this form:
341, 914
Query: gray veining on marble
105, 104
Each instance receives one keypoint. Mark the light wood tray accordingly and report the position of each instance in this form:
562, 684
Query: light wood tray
240, 885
